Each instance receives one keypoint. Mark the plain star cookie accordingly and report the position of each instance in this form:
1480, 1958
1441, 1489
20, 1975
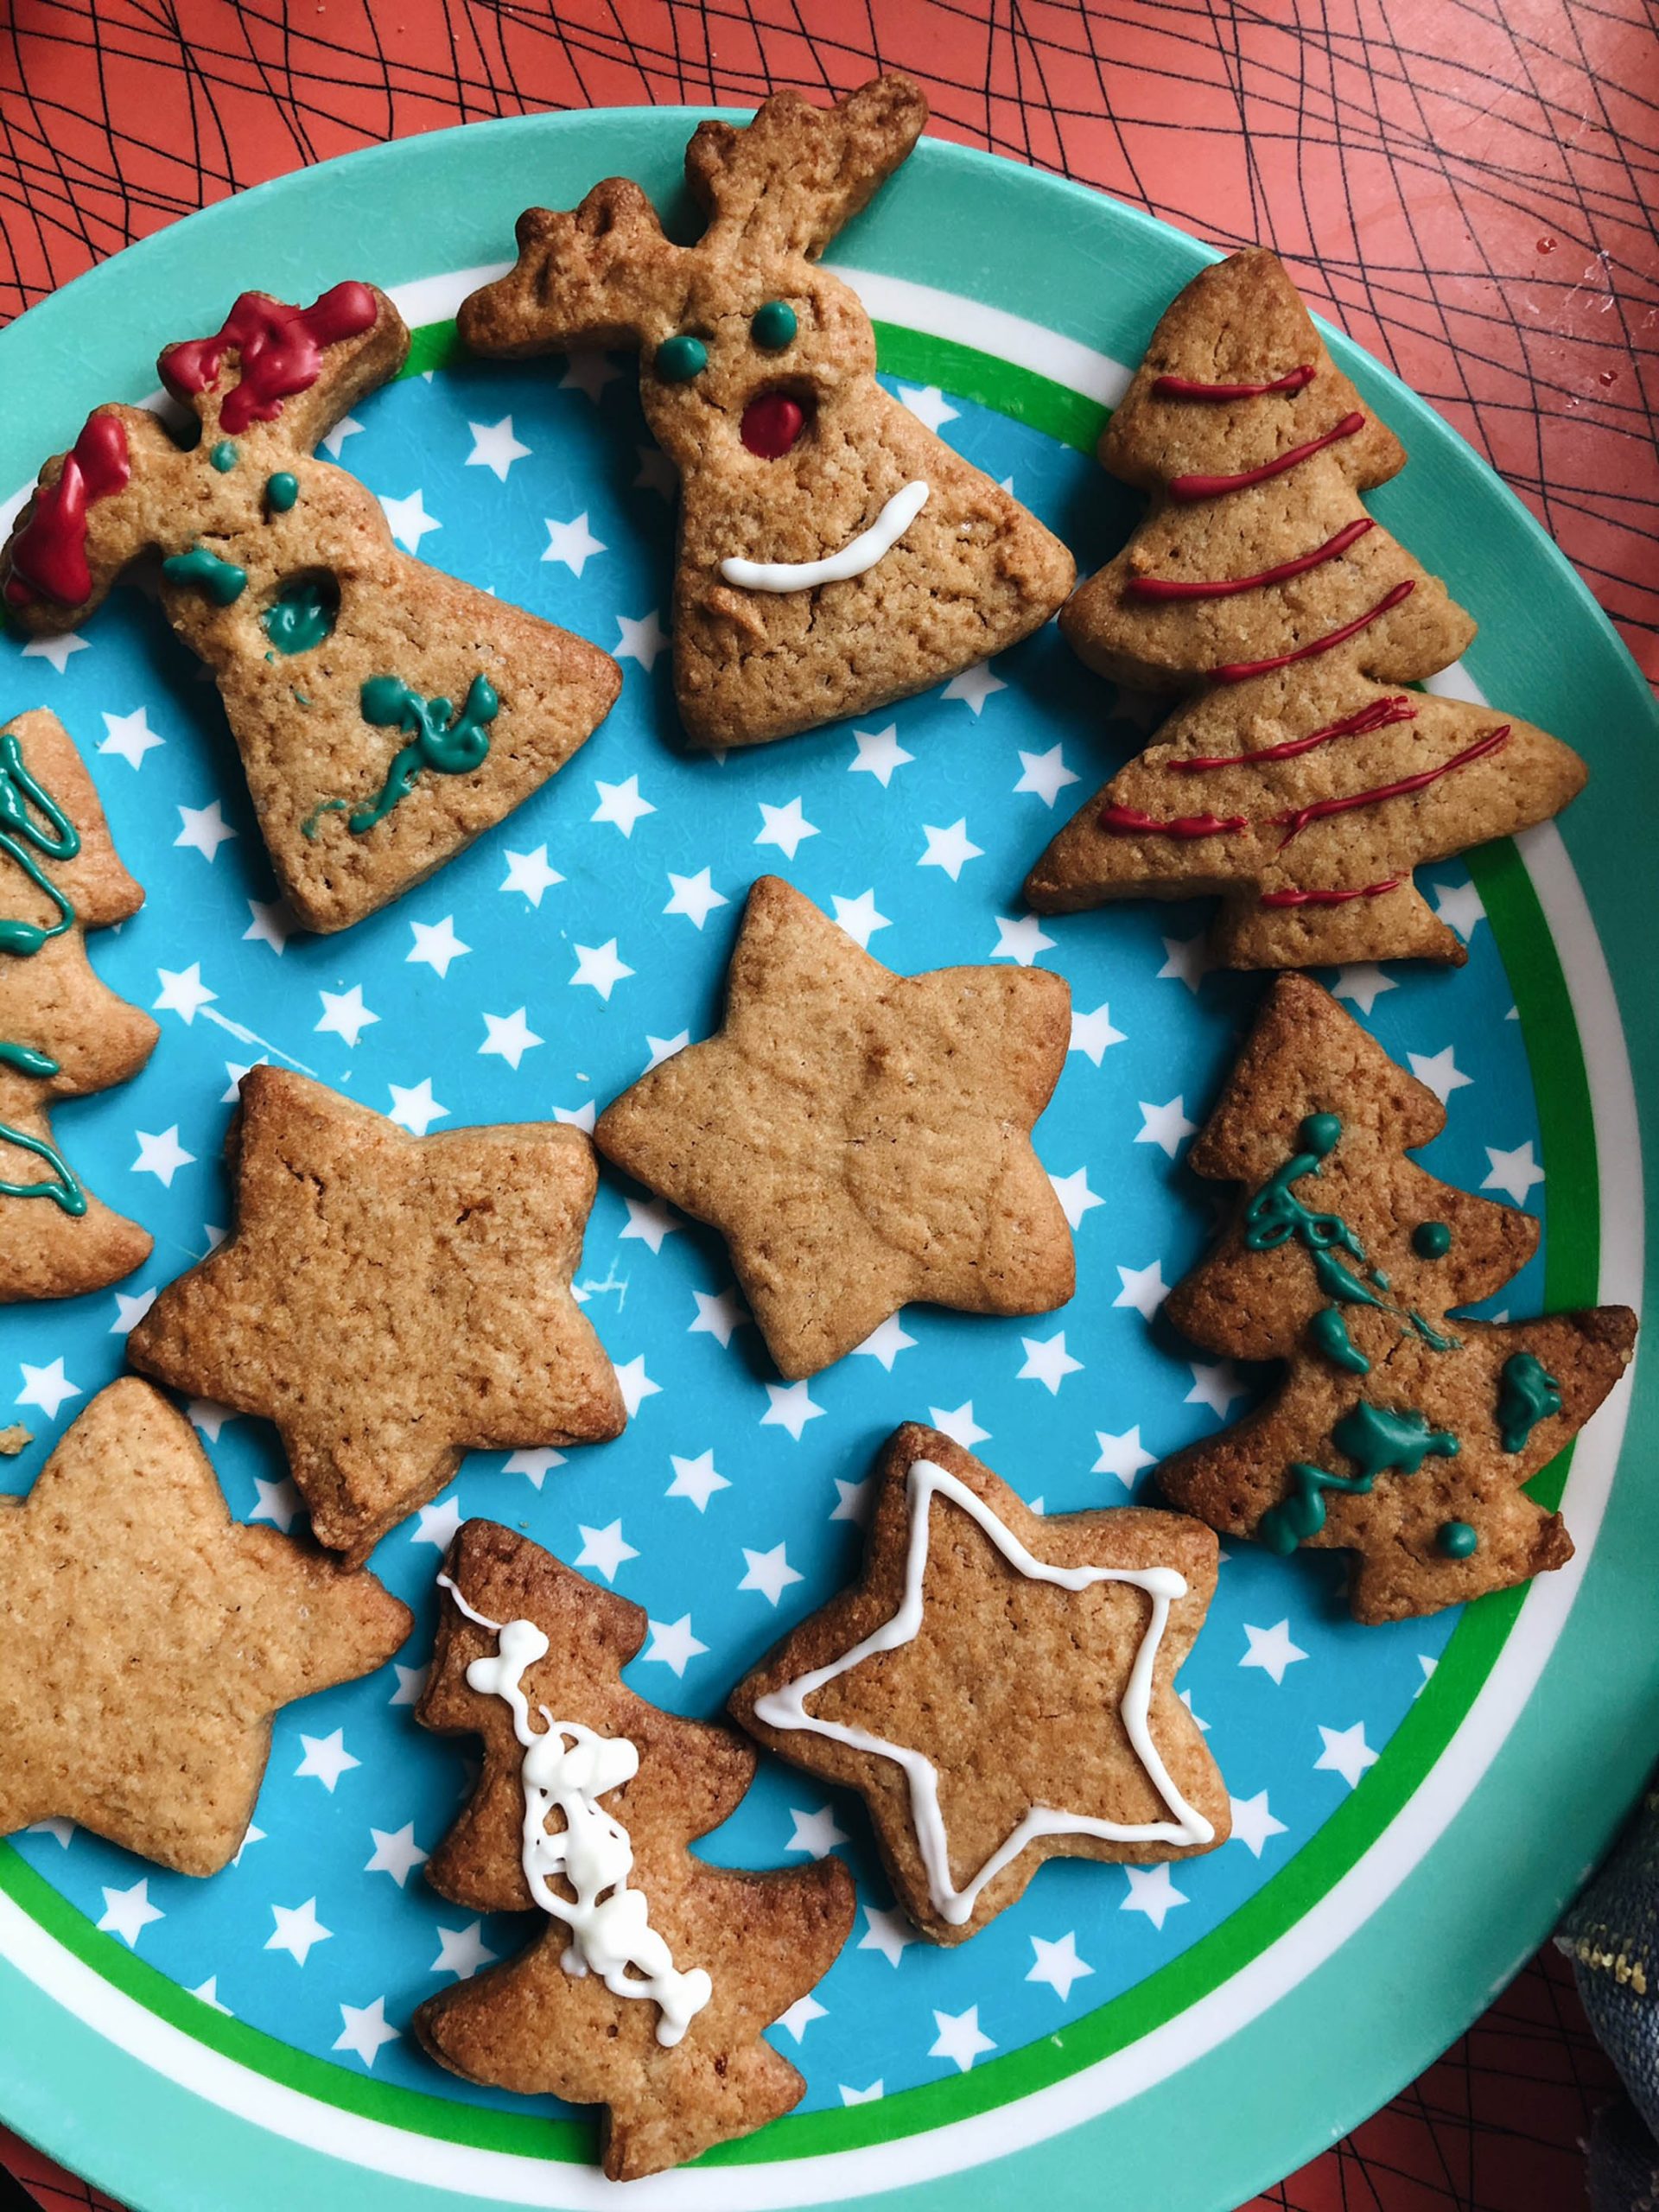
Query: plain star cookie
386, 714
999, 1686
390, 1301
1304, 784
858, 1138
834, 554
63, 1034
1398, 1435
146, 1639
649, 1991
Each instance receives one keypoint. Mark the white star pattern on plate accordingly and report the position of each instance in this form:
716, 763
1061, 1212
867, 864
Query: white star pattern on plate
816, 1833
851, 1500
604, 1550
801, 2015
1143, 1288
531, 873
770, 1573
1254, 1826
1166, 1126
463, 1951
1271, 1649
1363, 985
928, 405
129, 737
437, 944
1346, 1752
127, 1913
1058, 1964
642, 640
859, 919
784, 826
298, 1930
1458, 906
407, 519
326, 1760
1153, 1891
885, 1343
495, 447
621, 805
887, 1931
208, 1992
572, 542
790, 1405
950, 850
366, 2030
1123, 1456
535, 1460
1186, 960
279, 1502
590, 370
1021, 939
344, 1014
1092, 1035
1047, 1361
396, 1855
347, 427
208, 1416
879, 753
269, 923
718, 1313
695, 897
1439, 1072
1045, 775
697, 1479
599, 968
672, 1644
411, 1682
961, 2039
635, 1384
1075, 1196
182, 992
974, 687
203, 829
650, 1220
55, 651
416, 1109
161, 1155
130, 1311
438, 1524
1512, 1173
663, 1048
873, 2095
508, 1037
959, 1425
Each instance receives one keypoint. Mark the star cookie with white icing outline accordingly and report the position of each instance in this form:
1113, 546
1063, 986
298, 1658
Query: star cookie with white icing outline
753, 1944
860, 1138
999, 1686
146, 1639
390, 1301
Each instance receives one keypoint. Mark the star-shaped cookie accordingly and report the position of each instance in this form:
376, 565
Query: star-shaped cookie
743, 1947
390, 1301
999, 1686
146, 1639
860, 1138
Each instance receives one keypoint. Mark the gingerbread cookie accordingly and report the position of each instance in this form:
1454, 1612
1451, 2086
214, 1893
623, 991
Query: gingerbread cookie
860, 1138
1397, 1435
386, 714
834, 554
63, 1034
390, 1301
649, 1991
146, 1639
999, 1686
1303, 785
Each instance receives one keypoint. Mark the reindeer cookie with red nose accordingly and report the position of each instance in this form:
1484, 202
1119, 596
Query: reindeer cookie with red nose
834, 554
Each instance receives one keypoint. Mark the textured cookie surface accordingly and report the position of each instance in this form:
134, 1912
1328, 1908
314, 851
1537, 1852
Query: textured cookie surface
1305, 784
761, 1939
146, 1639
385, 713
860, 1138
390, 1301
758, 378
1010, 1708
63, 1034
1398, 1434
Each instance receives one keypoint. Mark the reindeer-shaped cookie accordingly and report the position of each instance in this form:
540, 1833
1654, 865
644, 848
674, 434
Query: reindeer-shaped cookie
833, 555
386, 714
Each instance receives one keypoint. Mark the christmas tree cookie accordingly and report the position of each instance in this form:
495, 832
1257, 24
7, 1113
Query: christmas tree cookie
650, 1988
1304, 782
1398, 1435
999, 1686
63, 1034
146, 1639
860, 1138
390, 1301
386, 714
834, 554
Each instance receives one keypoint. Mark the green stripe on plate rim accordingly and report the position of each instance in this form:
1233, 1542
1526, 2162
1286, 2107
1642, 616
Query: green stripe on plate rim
1570, 1273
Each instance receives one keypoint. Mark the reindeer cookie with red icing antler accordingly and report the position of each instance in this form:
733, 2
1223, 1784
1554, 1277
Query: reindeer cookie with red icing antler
834, 554
386, 714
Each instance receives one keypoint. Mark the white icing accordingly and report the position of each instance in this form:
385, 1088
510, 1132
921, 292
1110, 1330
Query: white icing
786, 1707
862, 553
611, 1934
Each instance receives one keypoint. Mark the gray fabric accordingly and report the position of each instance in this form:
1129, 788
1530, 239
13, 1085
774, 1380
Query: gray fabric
1611, 1935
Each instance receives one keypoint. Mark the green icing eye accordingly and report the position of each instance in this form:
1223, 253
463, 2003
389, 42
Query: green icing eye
774, 325
679, 359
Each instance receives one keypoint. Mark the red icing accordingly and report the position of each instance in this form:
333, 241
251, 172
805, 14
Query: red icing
1191, 388
1177, 587
50, 559
1189, 489
771, 425
1294, 898
1296, 819
1380, 714
1239, 671
279, 351
1129, 822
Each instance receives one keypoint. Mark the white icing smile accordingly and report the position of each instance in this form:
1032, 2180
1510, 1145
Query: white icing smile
853, 560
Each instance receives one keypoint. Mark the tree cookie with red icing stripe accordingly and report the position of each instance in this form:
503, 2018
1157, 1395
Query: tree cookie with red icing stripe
834, 554
1304, 784
386, 714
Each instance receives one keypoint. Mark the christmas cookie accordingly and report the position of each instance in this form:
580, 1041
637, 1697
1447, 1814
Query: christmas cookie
649, 1989
1397, 1435
1303, 784
833, 553
386, 714
390, 1301
62, 1034
860, 1138
999, 1686
146, 1639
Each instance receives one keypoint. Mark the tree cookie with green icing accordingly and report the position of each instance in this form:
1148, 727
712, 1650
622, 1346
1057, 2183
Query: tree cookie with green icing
387, 713
1401, 1434
390, 1301
63, 1034
146, 1638
651, 1985
999, 1686
1302, 780
834, 554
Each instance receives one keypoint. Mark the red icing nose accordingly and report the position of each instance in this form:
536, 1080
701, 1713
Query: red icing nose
771, 425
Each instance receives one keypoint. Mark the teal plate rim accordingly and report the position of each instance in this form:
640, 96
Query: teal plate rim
1336, 2040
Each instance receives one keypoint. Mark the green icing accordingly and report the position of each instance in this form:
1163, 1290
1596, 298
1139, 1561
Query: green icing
451, 749
1329, 1331
302, 615
1457, 1539
31, 823
1375, 1438
222, 580
1301, 1515
1526, 1394
281, 490
223, 456
1431, 1240
26, 1060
